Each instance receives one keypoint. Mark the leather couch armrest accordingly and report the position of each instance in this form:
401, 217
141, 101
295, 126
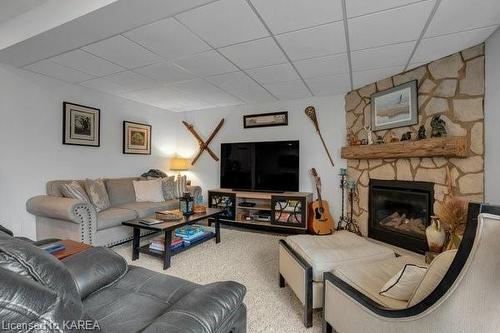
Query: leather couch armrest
207, 308
95, 268
59, 208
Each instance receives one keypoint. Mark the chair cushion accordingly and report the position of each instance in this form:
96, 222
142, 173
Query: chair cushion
144, 209
120, 190
136, 300
324, 253
370, 277
113, 217
435, 273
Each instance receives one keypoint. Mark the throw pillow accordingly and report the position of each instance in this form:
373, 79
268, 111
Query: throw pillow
168, 186
148, 190
97, 193
180, 186
74, 190
402, 285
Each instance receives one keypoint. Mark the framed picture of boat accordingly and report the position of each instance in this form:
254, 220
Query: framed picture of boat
395, 107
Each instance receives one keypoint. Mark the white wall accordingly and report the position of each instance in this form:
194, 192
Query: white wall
331, 115
492, 119
31, 141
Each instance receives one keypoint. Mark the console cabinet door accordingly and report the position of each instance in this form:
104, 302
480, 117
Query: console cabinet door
289, 211
223, 200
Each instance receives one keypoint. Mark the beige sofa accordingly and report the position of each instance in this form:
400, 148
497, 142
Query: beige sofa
60, 217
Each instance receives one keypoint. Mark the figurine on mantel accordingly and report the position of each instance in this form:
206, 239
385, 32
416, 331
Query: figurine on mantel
406, 136
422, 133
438, 126
369, 135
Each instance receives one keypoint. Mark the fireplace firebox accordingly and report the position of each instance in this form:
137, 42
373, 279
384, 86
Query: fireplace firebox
399, 212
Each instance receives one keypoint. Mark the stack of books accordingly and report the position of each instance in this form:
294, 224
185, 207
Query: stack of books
192, 234
53, 247
158, 244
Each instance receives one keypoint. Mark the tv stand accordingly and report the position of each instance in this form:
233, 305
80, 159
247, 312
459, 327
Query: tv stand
288, 210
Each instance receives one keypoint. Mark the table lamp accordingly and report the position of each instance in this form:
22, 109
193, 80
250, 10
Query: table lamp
179, 164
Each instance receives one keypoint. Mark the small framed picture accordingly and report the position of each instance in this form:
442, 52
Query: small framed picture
265, 120
136, 138
81, 125
395, 107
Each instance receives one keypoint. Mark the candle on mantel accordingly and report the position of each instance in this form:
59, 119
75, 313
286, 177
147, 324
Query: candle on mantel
343, 171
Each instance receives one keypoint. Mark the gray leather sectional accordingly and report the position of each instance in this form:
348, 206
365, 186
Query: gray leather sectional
57, 216
96, 290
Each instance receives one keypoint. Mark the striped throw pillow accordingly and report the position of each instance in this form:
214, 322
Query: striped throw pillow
168, 186
180, 186
74, 190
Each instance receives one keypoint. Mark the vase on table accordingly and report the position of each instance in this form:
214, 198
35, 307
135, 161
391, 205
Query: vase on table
436, 235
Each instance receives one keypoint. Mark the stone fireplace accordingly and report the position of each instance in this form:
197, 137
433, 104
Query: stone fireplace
452, 87
399, 212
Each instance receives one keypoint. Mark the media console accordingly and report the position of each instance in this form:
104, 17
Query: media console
280, 212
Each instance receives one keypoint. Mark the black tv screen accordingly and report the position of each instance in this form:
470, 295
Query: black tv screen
260, 166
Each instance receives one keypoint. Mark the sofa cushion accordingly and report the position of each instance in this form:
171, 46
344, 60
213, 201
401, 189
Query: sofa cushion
120, 190
435, 273
113, 217
96, 190
136, 300
324, 253
370, 277
148, 190
144, 209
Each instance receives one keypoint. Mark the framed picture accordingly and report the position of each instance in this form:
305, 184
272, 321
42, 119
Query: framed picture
81, 125
395, 107
265, 120
136, 138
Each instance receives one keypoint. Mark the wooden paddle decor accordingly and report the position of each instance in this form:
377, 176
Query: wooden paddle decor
311, 113
204, 144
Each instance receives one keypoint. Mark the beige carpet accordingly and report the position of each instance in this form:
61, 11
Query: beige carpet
248, 258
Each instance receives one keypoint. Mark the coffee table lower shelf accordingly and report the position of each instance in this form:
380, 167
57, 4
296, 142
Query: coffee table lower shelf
155, 253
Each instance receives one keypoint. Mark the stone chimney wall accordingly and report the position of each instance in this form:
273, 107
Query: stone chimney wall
453, 87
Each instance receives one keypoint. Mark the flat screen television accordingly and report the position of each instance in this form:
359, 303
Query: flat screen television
260, 166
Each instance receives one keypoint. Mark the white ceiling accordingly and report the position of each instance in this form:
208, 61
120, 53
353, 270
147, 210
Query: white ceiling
208, 53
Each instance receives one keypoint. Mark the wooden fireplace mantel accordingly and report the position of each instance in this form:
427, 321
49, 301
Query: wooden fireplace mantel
454, 146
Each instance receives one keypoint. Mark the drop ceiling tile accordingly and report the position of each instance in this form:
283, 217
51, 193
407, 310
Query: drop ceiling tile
258, 53
224, 22
87, 63
329, 85
123, 52
314, 42
164, 72
282, 16
323, 66
168, 38
385, 56
207, 64
288, 90
56, 71
370, 76
363, 7
274, 73
397, 25
104, 85
461, 15
242, 86
131, 80
434, 48
206, 92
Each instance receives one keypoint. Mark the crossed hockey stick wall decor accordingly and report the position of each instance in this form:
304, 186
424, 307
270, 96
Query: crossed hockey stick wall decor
204, 144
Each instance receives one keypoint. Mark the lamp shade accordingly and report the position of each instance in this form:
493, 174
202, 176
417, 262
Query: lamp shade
179, 164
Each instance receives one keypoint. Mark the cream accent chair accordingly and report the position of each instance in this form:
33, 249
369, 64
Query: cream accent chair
465, 300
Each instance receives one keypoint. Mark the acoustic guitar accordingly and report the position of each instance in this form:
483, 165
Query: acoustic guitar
320, 222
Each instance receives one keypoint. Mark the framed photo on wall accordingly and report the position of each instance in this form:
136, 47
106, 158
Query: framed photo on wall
265, 120
136, 138
395, 107
81, 125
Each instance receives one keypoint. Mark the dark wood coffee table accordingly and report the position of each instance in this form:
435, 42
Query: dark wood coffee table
167, 228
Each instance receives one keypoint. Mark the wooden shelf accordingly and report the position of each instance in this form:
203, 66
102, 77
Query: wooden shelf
254, 207
444, 147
